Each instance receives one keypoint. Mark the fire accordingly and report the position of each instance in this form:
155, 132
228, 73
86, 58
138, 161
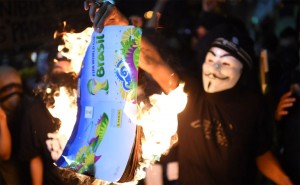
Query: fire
159, 123
65, 108
74, 47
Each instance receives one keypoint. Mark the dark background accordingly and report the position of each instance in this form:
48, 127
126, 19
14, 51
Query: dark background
28, 26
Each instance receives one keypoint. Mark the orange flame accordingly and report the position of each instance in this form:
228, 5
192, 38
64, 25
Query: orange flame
74, 47
65, 106
65, 109
159, 125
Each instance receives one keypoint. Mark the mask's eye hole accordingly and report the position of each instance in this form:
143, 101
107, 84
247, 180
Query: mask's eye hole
225, 64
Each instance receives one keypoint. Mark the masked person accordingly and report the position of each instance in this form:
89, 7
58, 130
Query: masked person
223, 132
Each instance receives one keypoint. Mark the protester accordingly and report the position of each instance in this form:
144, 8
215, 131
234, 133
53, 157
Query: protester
223, 132
12, 102
287, 116
287, 121
283, 82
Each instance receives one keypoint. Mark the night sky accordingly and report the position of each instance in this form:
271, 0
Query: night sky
29, 25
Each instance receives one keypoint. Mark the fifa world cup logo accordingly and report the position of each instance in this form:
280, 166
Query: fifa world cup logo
94, 86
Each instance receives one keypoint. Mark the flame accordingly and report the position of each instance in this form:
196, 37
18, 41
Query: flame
65, 109
65, 106
159, 125
74, 47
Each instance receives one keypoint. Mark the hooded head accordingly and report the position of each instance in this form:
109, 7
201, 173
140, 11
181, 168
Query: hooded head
228, 61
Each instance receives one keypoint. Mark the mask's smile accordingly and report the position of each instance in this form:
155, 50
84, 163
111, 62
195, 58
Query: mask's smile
214, 76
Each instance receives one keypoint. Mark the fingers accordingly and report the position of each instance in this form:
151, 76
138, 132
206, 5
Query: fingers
92, 7
92, 11
286, 95
286, 101
102, 16
282, 112
87, 4
108, 14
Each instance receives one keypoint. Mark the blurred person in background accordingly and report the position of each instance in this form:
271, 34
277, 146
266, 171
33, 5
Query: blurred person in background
13, 102
287, 96
287, 116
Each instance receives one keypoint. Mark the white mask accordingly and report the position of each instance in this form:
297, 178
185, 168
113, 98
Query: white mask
221, 71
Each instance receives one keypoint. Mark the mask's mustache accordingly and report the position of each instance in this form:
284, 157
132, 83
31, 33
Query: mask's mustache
215, 76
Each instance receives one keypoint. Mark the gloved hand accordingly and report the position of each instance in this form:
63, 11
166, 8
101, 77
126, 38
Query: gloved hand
104, 14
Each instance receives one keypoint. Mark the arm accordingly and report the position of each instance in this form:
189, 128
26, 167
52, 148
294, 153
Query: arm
5, 138
269, 166
36, 170
285, 102
153, 64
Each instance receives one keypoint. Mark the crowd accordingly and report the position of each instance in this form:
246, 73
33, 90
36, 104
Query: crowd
231, 132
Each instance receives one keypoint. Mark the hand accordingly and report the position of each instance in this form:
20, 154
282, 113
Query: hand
152, 63
56, 144
285, 102
105, 15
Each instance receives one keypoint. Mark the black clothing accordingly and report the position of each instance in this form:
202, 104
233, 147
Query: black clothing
2, 181
37, 123
220, 135
15, 171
